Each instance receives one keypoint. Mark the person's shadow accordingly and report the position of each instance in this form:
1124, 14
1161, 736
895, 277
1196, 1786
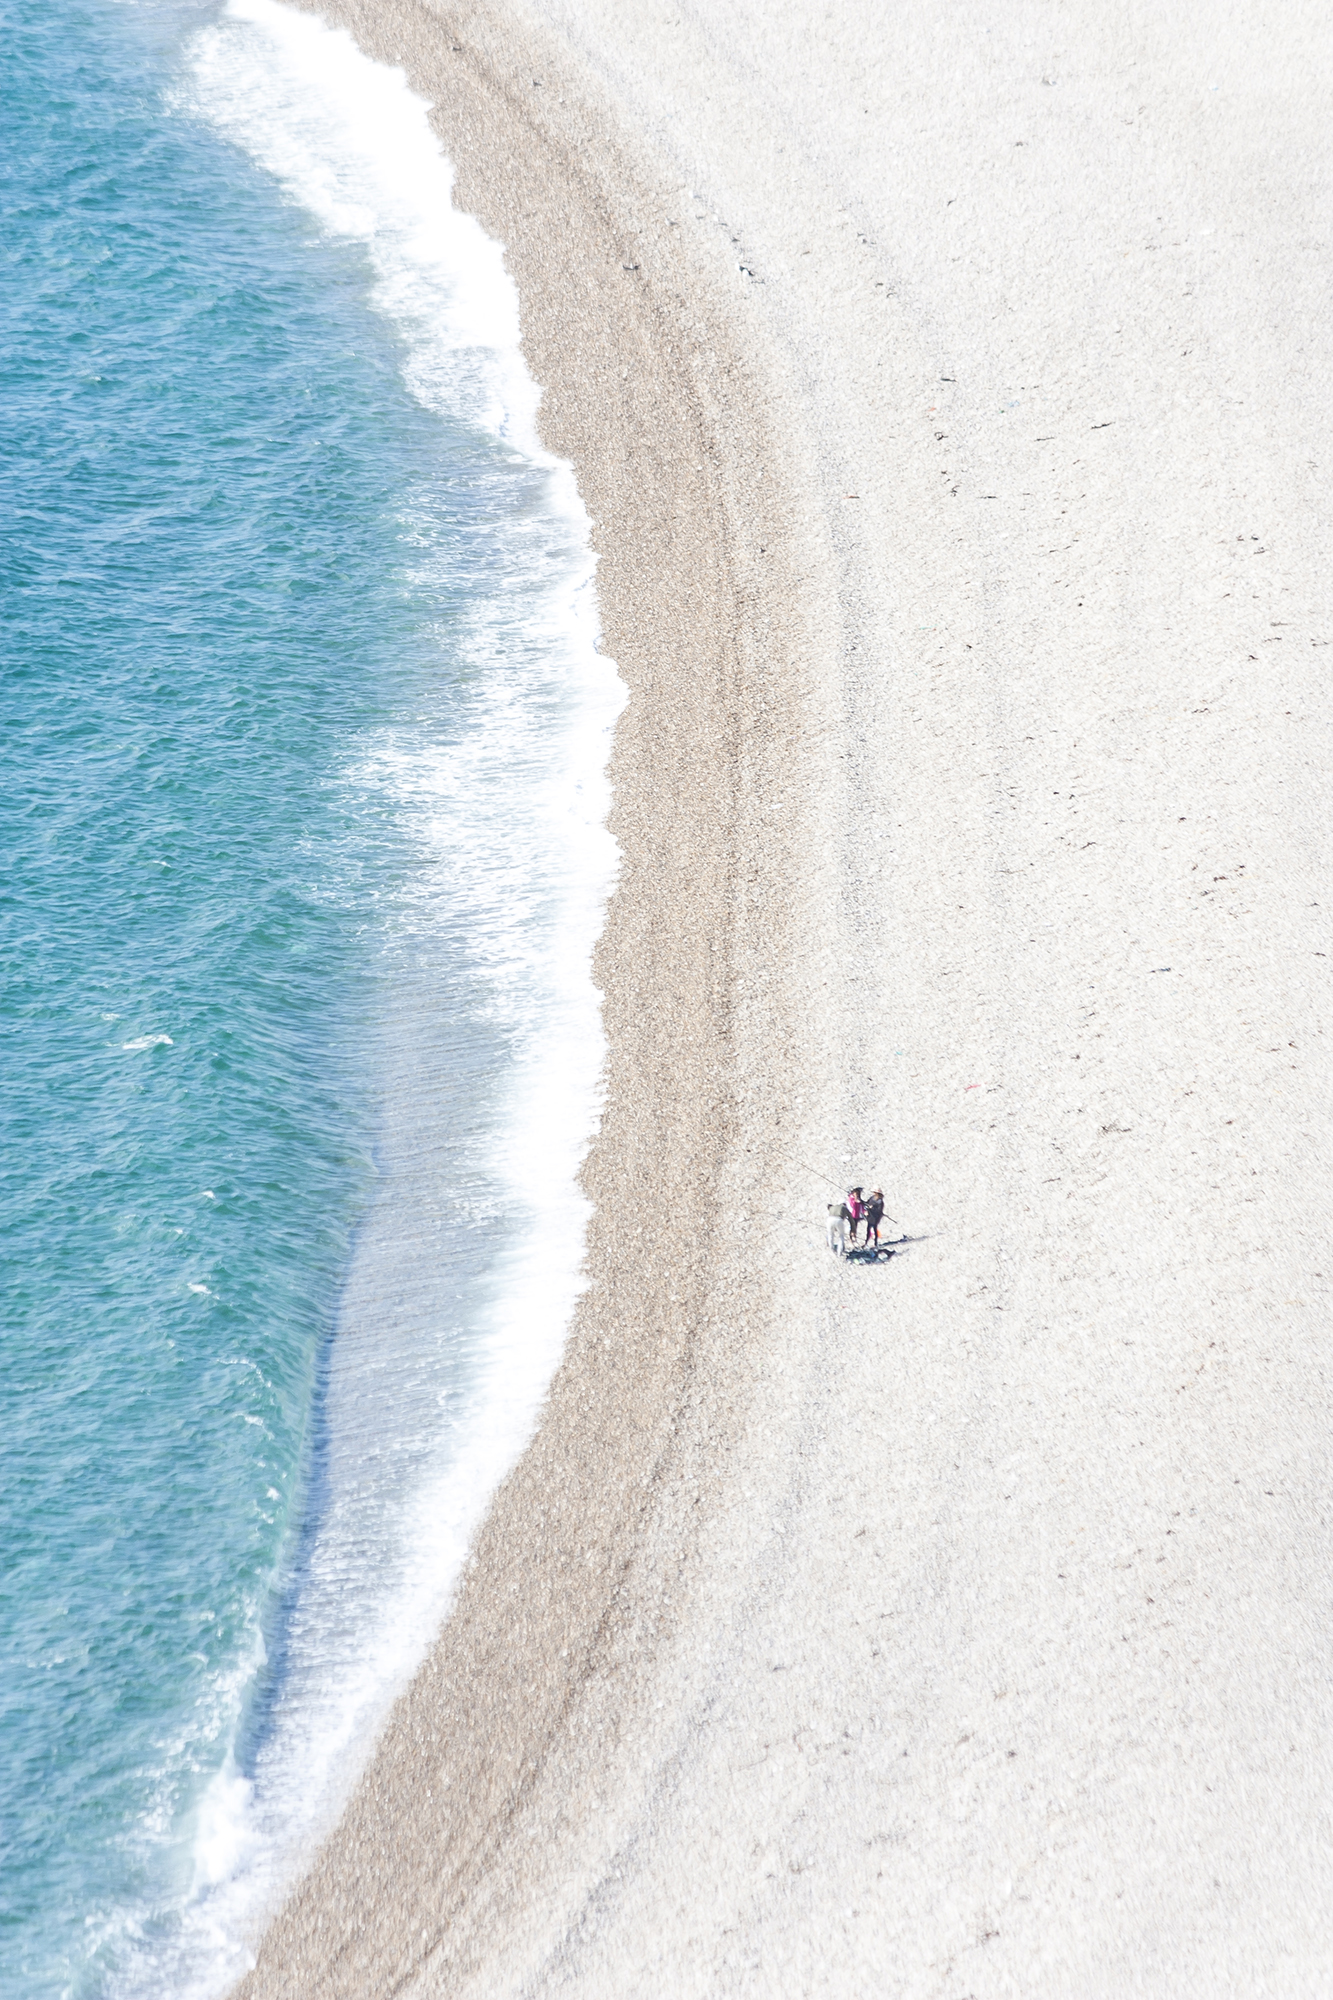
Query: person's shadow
880, 1253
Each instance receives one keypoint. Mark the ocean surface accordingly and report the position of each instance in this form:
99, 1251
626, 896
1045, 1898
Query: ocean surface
304, 857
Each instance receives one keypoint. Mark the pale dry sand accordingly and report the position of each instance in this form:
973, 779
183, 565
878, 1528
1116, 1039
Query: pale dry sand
950, 389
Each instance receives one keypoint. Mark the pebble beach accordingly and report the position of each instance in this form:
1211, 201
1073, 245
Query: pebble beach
948, 390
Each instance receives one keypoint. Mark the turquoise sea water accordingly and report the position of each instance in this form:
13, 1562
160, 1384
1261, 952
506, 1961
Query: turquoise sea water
294, 652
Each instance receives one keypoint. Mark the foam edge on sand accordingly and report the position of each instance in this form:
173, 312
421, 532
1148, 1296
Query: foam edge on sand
528, 1749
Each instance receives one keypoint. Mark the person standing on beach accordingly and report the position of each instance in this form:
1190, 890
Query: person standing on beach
874, 1215
855, 1209
838, 1218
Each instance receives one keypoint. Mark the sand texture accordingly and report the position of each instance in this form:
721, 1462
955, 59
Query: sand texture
949, 386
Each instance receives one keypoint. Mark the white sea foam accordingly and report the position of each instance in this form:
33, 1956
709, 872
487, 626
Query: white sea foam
449, 1329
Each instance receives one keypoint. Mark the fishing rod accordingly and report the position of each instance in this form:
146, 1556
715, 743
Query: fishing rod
821, 1177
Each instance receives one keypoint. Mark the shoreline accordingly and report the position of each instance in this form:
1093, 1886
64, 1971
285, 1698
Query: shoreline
953, 1628
560, 1606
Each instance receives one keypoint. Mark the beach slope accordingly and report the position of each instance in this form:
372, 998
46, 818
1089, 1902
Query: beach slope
949, 393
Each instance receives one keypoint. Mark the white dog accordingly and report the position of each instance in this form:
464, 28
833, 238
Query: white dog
838, 1218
